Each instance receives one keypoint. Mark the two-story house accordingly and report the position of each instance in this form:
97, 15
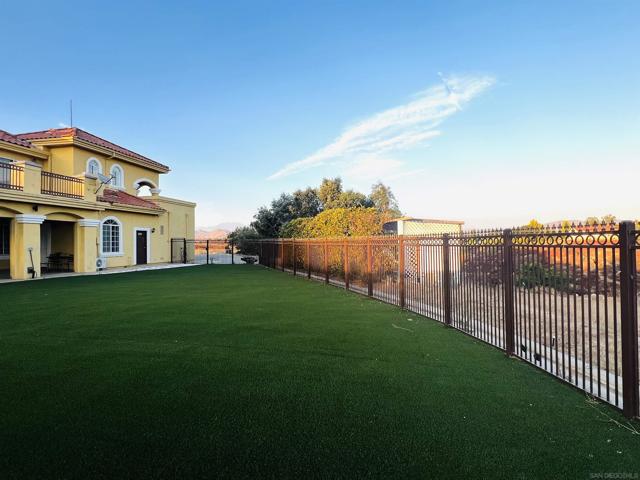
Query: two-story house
70, 201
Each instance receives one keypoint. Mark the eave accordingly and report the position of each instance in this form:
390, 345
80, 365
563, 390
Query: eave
73, 141
35, 199
128, 208
12, 147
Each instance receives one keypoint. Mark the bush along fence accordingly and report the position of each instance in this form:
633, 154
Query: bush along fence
562, 298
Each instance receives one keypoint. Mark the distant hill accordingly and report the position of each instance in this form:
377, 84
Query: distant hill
216, 232
211, 234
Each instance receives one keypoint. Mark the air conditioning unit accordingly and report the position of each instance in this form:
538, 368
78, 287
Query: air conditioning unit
101, 263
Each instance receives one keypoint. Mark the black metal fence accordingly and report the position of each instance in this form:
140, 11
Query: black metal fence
207, 252
562, 298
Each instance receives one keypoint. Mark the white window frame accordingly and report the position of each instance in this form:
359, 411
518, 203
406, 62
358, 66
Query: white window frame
119, 253
117, 185
135, 245
93, 159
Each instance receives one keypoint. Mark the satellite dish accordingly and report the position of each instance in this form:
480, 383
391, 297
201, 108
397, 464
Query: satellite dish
103, 178
103, 181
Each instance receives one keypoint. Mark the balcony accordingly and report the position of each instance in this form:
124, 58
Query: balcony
11, 176
26, 180
62, 185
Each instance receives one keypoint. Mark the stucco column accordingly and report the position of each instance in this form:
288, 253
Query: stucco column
31, 177
85, 245
25, 246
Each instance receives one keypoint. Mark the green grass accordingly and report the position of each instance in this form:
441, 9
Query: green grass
241, 371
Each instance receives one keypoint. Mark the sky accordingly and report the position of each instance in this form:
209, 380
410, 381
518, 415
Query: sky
493, 113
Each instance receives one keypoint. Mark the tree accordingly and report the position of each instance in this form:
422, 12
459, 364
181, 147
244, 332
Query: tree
352, 199
592, 221
345, 222
609, 219
565, 225
296, 228
306, 203
534, 224
244, 239
268, 221
278, 219
384, 201
329, 192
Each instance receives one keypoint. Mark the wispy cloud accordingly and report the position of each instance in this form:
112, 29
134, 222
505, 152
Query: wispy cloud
398, 128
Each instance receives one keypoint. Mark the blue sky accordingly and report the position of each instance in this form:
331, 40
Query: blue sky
488, 112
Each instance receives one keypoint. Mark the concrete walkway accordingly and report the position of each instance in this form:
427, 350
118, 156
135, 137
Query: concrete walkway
108, 271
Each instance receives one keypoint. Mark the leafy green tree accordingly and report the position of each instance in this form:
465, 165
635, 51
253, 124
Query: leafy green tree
306, 203
329, 192
352, 199
280, 217
384, 200
244, 240
345, 222
296, 228
268, 221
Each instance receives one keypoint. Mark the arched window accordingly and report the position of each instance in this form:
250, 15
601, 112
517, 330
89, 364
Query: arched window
94, 167
118, 176
111, 236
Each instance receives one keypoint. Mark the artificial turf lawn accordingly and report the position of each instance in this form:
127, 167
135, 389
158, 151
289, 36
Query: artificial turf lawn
241, 371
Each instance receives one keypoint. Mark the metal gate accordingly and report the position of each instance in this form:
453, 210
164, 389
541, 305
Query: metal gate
203, 252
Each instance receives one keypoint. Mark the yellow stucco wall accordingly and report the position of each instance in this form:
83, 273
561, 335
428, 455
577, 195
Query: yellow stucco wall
15, 156
158, 251
61, 160
131, 172
181, 222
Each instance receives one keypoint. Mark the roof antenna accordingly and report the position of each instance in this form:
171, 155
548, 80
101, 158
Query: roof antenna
71, 112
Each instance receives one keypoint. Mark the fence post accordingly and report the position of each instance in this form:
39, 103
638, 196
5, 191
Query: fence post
281, 253
369, 268
293, 250
184, 251
629, 320
326, 261
207, 252
446, 278
308, 258
346, 263
509, 294
233, 260
401, 273
260, 257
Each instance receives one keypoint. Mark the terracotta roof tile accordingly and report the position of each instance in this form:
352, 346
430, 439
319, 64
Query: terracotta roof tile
123, 198
9, 138
90, 138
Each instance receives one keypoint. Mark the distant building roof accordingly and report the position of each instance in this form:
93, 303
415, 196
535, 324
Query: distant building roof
425, 220
92, 139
